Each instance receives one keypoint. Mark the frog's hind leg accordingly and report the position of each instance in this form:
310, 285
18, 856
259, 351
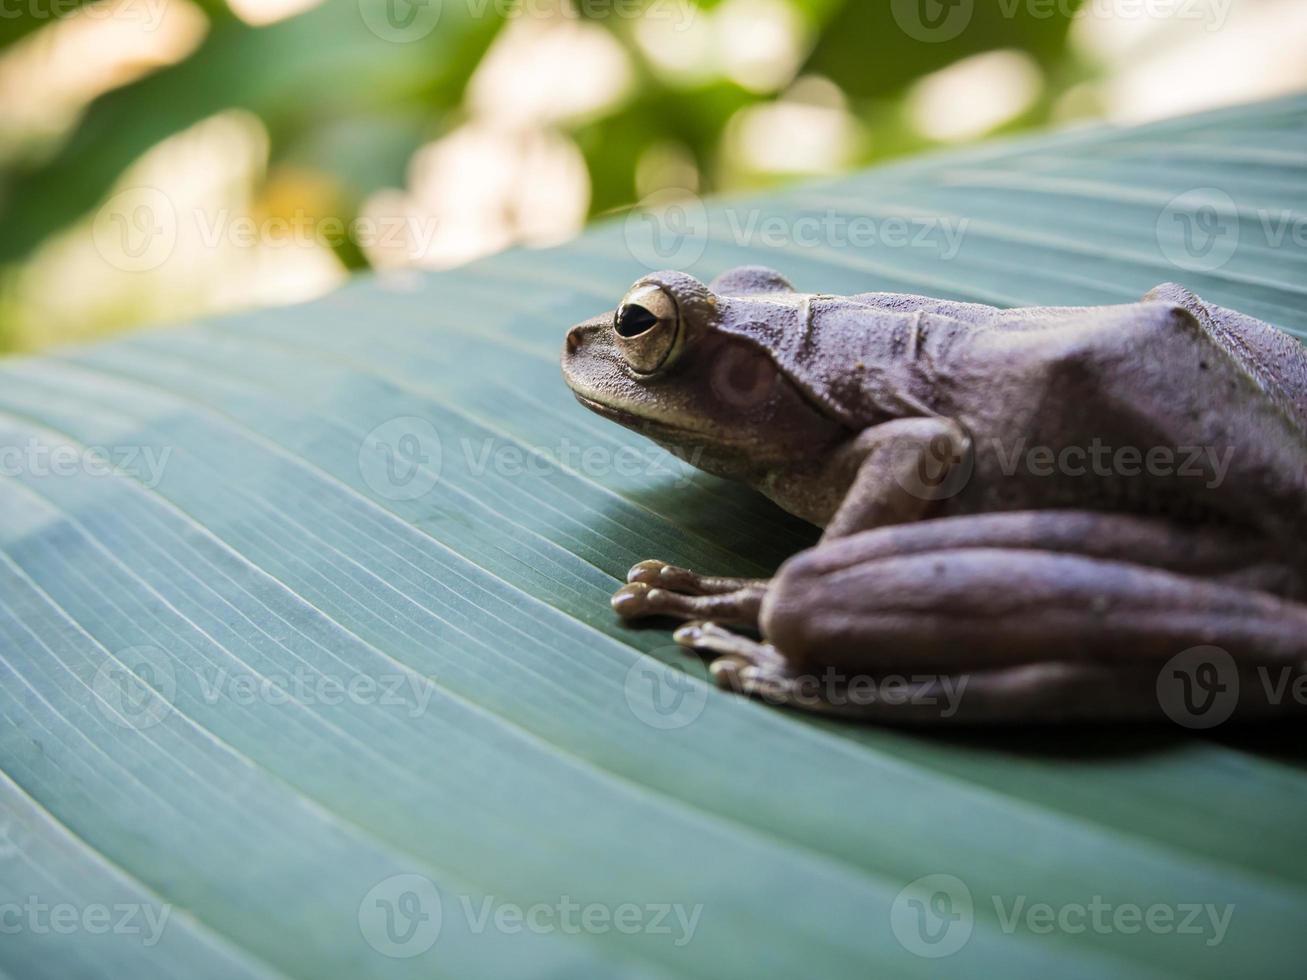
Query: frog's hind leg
656, 588
977, 606
1040, 634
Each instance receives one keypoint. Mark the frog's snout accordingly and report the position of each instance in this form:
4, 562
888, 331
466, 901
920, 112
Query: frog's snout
585, 335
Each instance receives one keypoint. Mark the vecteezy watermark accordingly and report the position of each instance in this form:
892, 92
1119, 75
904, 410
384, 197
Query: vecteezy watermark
403, 459
400, 459
1201, 230
1198, 231
933, 916
938, 21
1201, 687
400, 21
302, 686
136, 687
665, 694
940, 693
40, 918
1200, 919
670, 230
511, 459
138, 230
148, 13
668, 696
933, 21
38, 459
403, 916
667, 229
407, 21
943, 467
676, 921
1206, 464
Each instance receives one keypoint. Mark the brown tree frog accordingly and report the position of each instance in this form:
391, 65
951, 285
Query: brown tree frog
1046, 503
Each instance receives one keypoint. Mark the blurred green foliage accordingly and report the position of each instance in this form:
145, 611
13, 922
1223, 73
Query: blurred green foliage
340, 100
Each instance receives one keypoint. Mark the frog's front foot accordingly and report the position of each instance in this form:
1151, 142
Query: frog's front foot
655, 588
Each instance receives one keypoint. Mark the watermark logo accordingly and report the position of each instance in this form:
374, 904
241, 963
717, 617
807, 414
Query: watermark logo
932, 21
1199, 688
933, 916
675, 920
136, 229
1101, 917
667, 230
1097, 459
408, 692
400, 21
401, 916
148, 13
743, 379
400, 459
40, 918
1198, 231
39, 459
512, 460
666, 696
140, 230
937, 471
136, 687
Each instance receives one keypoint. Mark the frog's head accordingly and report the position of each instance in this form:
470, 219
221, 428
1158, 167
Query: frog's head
691, 367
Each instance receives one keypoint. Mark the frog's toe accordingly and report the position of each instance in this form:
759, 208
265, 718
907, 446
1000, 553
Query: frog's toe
636, 600
649, 571
632, 601
739, 663
667, 576
706, 635
639, 599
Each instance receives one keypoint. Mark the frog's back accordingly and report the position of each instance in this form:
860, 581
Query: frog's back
1170, 370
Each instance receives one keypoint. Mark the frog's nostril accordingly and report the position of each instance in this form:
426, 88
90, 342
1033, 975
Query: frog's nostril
573, 340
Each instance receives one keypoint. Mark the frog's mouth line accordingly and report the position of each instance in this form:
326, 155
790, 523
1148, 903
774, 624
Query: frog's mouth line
630, 419
652, 428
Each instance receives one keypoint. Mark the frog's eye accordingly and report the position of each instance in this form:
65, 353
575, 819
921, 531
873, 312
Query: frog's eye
646, 326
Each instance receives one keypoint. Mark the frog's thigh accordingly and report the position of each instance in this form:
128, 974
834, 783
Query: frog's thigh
972, 608
1202, 552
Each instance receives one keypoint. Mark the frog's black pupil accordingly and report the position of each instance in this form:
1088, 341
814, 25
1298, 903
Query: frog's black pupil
633, 320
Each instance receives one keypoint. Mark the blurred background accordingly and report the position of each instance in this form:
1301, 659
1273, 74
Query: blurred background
163, 159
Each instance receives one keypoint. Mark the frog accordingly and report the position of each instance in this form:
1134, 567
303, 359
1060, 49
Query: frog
1042, 507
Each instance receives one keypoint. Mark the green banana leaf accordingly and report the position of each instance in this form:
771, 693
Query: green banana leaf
307, 667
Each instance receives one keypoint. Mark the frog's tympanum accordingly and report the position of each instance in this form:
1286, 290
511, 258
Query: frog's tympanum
1056, 511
